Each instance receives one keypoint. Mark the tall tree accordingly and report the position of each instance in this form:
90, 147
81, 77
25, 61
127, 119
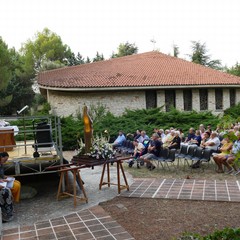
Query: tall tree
6, 67
80, 59
175, 50
235, 70
199, 55
125, 49
88, 60
75, 60
99, 57
46, 46
19, 87
44, 52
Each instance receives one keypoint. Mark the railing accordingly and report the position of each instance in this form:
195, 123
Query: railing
29, 146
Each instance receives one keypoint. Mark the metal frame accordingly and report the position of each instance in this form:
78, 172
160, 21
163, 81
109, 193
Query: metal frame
34, 165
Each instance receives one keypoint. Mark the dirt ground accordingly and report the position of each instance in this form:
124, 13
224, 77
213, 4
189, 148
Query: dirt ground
167, 219
162, 219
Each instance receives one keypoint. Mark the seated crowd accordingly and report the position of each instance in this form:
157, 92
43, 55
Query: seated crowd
222, 148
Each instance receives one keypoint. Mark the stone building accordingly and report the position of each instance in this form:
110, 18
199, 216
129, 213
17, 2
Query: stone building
146, 80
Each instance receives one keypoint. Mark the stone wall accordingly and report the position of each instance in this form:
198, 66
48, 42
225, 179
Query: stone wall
66, 103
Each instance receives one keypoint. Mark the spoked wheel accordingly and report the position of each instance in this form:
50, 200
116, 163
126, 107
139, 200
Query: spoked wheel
131, 164
142, 163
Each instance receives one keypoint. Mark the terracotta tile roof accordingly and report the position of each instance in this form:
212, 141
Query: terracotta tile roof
146, 69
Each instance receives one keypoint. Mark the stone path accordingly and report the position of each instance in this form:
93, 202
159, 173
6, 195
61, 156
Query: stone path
187, 189
91, 223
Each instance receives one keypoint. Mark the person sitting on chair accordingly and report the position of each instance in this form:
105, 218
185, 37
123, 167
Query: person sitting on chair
212, 143
191, 135
168, 139
6, 204
16, 185
139, 147
120, 139
176, 142
138, 150
230, 161
196, 139
154, 149
143, 136
222, 157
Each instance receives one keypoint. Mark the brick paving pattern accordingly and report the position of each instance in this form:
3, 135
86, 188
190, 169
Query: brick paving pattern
93, 223
187, 189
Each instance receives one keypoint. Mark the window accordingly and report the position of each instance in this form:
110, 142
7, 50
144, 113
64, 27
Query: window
203, 97
170, 99
151, 99
232, 93
219, 98
187, 99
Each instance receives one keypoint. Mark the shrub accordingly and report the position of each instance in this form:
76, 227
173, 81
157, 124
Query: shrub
224, 234
71, 128
234, 111
132, 120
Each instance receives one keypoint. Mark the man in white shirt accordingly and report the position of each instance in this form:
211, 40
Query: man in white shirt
213, 142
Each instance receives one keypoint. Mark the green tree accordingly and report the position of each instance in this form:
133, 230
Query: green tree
6, 67
199, 55
46, 46
19, 87
75, 60
88, 60
99, 57
175, 50
125, 49
235, 70
44, 52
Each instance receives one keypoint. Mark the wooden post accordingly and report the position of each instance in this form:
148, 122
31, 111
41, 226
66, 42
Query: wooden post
25, 140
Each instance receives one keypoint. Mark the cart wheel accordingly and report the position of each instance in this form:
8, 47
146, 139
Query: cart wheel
142, 163
130, 164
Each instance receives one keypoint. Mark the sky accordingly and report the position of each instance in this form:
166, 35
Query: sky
88, 26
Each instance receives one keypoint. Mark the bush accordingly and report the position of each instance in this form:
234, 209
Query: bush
224, 234
131, 120
234, 111
71, 129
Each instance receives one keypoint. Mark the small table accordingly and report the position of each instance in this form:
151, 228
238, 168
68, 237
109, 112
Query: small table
91, 162
86, 162
119, 167
76, 178
64, 169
